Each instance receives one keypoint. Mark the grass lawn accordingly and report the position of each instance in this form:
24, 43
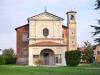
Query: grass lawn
82, 69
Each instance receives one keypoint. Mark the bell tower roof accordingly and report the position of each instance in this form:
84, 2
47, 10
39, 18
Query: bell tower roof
71, 12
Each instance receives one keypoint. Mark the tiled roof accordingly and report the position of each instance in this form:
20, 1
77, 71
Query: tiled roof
94, 47
21, 26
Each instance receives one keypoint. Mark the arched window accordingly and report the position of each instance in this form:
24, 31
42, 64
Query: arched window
71, 17
45, 32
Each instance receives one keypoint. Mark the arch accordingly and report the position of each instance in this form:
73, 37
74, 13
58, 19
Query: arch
72, 17
46, 50
47, 56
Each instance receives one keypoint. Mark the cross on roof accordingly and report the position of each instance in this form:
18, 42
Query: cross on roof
45, 8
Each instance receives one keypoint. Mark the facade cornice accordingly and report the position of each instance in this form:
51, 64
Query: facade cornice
46, 38
47, 45
45, 20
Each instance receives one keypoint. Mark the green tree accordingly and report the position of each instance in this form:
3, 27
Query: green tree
2, 61
88, 52
97, 28
8, 52
96, 33
97, 4
9, 56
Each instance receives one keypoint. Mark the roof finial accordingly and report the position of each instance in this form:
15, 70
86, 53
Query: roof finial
45, 8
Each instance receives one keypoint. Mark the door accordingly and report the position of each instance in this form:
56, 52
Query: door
46, 58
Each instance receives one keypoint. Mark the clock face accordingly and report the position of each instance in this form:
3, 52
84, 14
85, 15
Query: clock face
71, 17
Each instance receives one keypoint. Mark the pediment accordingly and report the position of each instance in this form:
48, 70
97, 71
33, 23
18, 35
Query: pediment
45, 16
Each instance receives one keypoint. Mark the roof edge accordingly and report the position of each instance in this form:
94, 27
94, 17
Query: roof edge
71, 12
64, 26
21, 26
47, 13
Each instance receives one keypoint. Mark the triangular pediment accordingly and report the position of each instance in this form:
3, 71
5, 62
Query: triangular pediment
45, 16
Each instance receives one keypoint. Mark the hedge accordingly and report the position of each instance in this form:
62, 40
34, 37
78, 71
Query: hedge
72, 57
10, 60
2, 61
7, 60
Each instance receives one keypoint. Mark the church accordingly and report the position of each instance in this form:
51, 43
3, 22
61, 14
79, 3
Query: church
46, 38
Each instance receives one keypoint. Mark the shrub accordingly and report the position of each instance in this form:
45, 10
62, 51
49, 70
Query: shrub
72, 57
2, 61
38, 62
14, 60
10, 59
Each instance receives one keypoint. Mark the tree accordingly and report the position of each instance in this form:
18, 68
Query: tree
2, 61
97, 4
97, 28
88, 52
96, 33
8, 52
9, 56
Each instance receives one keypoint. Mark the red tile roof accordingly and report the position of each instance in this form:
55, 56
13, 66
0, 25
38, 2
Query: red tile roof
21, 26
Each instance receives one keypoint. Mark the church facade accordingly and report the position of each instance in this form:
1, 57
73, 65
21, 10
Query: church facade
45, 38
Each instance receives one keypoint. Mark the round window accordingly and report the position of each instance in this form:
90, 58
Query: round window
45, 32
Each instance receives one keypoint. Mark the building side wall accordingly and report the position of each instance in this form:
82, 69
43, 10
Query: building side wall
65, 39
20, 45
97, 57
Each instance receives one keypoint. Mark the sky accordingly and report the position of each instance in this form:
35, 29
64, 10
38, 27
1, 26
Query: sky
14, 13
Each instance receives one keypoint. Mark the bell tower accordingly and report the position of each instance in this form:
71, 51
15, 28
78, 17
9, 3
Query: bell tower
72, 37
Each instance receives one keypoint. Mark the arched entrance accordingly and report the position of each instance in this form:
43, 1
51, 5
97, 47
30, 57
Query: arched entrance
47, 56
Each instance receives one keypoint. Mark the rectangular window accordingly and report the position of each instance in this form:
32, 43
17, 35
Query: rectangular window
62, 35
35, 58
98, 52
58, 58
24, 37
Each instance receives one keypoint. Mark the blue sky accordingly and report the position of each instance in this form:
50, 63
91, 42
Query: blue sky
14, 13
